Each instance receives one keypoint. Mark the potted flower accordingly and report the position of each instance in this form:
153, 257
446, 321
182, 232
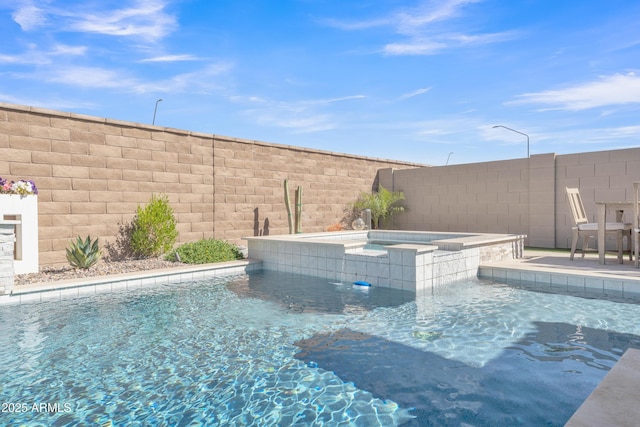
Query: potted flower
22, 188
19, 202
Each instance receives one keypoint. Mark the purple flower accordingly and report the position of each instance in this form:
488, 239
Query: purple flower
22, 187
33, 186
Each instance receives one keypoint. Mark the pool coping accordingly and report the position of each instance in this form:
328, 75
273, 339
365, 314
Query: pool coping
614, 400
554, 272
125, 281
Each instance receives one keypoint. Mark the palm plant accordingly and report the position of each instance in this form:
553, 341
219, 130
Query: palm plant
383, 205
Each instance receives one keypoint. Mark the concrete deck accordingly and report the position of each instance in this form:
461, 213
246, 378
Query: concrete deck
552, 270
614, 402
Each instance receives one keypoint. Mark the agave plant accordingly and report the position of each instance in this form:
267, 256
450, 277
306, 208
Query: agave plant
83, 254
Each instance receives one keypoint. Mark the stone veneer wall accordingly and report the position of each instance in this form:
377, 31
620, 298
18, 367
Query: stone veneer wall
93, 173
7, 240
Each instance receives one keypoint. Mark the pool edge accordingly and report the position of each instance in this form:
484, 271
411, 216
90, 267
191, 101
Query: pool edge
134, 280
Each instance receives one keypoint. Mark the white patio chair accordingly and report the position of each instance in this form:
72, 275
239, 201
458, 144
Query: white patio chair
585, 229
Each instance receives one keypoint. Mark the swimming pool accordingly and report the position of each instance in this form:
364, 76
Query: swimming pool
272, 348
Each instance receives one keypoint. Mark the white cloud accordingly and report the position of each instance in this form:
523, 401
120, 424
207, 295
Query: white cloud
36, 56
29, 17
47, 102
421, 45
424, 28
302, 124
416, 47
61, 49
93, 77
199, 81
305, 116
357, 25
415, 93
146, 19
10, 59
171, 58
608, 90
332, 100
408, 20
412, 21
32, 57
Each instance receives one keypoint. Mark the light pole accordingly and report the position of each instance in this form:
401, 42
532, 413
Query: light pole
154, 112
448, 157
516, 131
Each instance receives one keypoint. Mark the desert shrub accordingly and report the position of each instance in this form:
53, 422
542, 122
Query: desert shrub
205, 252
154, 228
83, 254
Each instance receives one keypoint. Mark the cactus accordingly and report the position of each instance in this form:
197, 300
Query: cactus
83, 254
297, 223
299, 210
287, 202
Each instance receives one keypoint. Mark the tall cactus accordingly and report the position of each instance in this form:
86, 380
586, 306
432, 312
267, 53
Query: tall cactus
299, 210
287, 202
297, 224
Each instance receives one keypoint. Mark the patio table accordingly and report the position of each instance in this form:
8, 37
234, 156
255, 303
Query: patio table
603, 207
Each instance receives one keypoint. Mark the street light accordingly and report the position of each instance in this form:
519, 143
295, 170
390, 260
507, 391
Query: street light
154, 112
446, 164
516, 131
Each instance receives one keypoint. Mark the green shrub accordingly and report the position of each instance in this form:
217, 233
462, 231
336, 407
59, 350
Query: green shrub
383, 205
154, 228
205, 252
83, 254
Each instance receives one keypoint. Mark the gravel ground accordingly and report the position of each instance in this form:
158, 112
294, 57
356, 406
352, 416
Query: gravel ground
102, 268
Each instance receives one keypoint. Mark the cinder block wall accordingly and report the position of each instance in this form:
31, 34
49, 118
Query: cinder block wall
489, 197
249, 186
92, 174
600, 176
522, 196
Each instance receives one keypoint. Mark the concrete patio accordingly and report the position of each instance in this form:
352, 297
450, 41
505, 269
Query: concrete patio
551, 269
558, 260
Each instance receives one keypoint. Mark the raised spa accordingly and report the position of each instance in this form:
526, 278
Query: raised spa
408, 260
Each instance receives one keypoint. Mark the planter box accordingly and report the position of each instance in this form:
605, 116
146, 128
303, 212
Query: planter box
24, 210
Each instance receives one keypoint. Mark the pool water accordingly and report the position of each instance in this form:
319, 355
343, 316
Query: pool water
281, 349
380, 245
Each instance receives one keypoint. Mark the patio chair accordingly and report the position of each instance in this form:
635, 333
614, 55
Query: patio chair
585, 229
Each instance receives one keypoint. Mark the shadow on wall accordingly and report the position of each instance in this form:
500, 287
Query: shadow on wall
256, 224
120, 249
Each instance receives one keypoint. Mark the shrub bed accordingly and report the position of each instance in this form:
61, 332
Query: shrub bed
205, 252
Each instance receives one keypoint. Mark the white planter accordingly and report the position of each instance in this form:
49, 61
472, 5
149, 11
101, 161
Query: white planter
25, 210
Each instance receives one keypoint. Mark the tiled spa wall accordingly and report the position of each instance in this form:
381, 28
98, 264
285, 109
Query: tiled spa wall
410, 266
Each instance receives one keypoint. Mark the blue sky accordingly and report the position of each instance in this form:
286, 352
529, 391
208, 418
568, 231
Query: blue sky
422, 81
